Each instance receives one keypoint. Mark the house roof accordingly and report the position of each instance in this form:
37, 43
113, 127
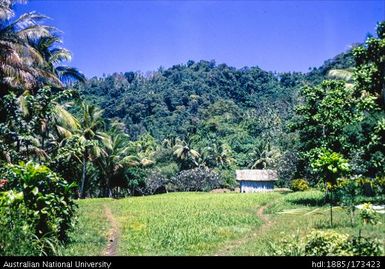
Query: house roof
256, 175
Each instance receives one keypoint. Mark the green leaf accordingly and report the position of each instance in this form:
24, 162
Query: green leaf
35, 191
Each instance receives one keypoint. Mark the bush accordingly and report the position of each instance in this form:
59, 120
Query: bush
379, 185
43, 196
323, 243
155, 184
169, 170
368, 215
17, 238
364, 246
327, 243
197, 179
299, 185
228, 178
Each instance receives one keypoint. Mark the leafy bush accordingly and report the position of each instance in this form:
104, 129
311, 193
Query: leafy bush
288, 246
43, 195
368, 215
169, 170
299, 185
327, 243
228, 177
323, 243
364, 246
155, 184
17, 238
197, 179
379, 185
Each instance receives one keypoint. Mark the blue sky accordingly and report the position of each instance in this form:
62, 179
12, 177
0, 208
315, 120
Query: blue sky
118, 36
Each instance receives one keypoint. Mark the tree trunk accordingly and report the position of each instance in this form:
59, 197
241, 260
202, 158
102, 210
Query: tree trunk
84, 175
331, 208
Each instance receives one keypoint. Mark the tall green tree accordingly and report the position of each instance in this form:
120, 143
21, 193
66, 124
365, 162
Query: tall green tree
93, 138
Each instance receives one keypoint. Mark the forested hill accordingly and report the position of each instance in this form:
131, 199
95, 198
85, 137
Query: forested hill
172, 102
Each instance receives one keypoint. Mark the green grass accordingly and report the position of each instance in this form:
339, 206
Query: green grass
204, 223
89, 238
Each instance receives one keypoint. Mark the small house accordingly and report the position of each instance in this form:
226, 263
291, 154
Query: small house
256, 180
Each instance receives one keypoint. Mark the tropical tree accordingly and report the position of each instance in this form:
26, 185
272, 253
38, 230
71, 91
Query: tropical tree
185, 154
20, 69
264, 155
53, 55
330, 166
92, 137
216, 155
117, 158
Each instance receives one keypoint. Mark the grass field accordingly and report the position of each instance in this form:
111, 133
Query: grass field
203, 223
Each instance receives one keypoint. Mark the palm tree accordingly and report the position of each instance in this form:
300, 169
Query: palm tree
218, 155
185, 153
54, 55
29, 53
20, 62
264, 155
92, 137
118, 156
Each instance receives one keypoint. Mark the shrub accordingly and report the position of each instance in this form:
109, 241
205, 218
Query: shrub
327, 243
43, 195
299, 185
290, 246
17, 238
368, 215
228, 177
155, 184
169, 170
323, 243
379, 185
197, 179
364, 246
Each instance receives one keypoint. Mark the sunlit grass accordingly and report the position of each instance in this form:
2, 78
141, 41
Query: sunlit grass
205, 223
185, 223
90, 234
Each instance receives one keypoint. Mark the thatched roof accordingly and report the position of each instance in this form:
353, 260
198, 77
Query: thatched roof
256, 175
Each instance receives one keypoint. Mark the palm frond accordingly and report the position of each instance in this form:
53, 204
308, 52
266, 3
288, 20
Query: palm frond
69, 74
65, 118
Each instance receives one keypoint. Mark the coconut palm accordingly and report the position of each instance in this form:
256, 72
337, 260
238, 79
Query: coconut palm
54, 55
118, 157
92, 137
185, 153
20, 62
218, 155
264, 156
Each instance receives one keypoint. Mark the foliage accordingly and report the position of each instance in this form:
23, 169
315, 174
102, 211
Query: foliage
16, 236
327, 243
197, 179
155, 184
347, 192
299, 185
43, 196
368, 215
364, 246
323, 243
330, 166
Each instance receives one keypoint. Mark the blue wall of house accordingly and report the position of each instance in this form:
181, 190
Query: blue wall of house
256, 186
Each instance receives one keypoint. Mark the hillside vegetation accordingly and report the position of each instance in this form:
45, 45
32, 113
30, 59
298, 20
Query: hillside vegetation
185, 129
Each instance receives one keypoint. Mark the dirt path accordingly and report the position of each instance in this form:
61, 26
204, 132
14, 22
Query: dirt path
113, 234
249, 236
